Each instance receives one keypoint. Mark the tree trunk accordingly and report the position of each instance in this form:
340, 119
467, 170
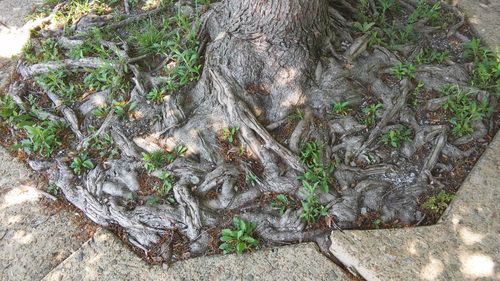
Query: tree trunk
259, 61
270, 48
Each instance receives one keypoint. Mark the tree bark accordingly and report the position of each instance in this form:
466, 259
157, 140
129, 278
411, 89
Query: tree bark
270, 47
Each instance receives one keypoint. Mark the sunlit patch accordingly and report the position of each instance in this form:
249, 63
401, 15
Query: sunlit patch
412, 248
20, 195
293, 99
220, 36
22, 237
150, 4
286, 76
474, 20
148, 143
432, 270
477, 265
13, 220
469, 237
136, 115
13, 39
455, 220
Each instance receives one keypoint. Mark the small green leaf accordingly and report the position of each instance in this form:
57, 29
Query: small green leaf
227, 232
240, 247
250, 240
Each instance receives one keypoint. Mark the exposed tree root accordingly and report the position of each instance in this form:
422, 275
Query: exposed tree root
258, 68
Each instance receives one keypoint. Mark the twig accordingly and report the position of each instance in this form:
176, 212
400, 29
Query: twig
136, 18
127, 8
136, 59
92, 62
1, 23
4, 233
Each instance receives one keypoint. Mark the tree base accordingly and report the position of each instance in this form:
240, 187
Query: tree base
256, 83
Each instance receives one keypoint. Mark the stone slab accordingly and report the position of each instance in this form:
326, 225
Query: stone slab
14, 29
104, 257
463, 246
484, 15
14, 13
34, 238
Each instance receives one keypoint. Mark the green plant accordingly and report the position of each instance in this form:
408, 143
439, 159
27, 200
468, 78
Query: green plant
397, 37
153, 200
438, 203
376, 223
316, 176
238, 239
91, 46
159, 158
202, 2
364, 11
50, 50
486, 71
104, 77
396, 137
12, 114
229, 134
28, 53
374, 39
8, 107
426, 11
371, 113
402, 70
167, 184
296, 115
316, 172
100, 111
311, 208
251, 178
81, 163
182, 21
183, 48
156, 95
187, 68
341, 108
281, 203
103, 145
55, 82
242, 151
431, 56
122, 108
464, 109
364, 27
151, 38
154, 160
385, 5
487, 75
175, 37
42, 139
473, 50
35, 110
413, 98
53, 189
73, 10
180, 150
311, 153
